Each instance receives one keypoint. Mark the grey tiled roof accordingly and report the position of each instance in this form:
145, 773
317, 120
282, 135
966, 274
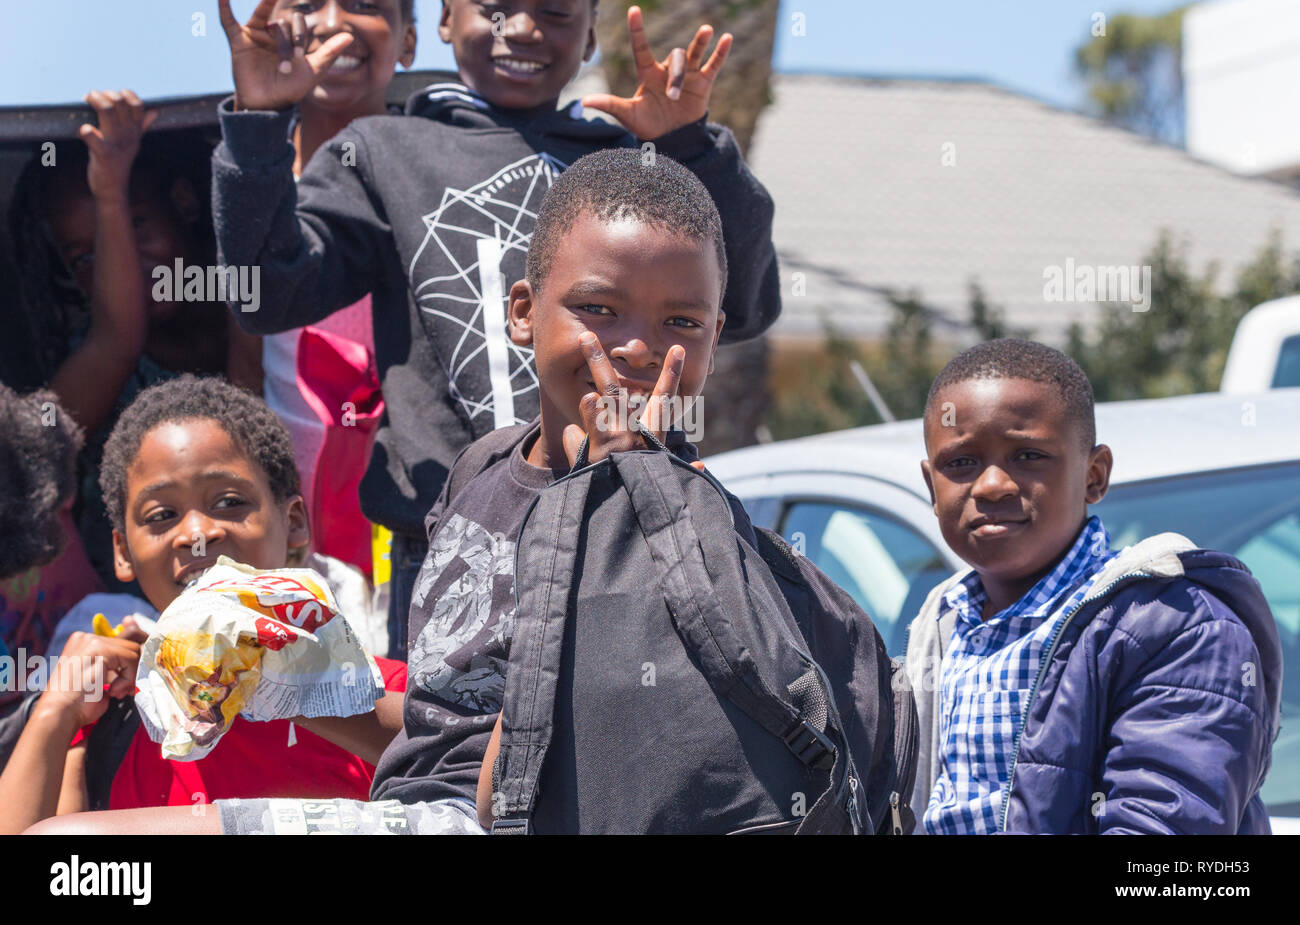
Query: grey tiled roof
865, 204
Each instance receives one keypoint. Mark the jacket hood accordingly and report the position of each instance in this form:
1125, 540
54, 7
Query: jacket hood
1169, 555
456, 104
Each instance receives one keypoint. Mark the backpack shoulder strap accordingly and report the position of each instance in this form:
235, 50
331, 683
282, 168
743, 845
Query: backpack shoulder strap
545, 571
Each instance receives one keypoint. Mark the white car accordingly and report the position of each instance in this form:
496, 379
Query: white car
1223, 470
1265, 351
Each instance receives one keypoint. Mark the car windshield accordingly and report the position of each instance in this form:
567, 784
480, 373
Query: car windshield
1253, 514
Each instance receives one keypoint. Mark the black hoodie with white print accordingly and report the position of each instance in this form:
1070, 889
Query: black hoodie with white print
431, 212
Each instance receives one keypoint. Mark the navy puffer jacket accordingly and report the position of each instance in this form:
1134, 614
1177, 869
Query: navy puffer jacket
1154, 709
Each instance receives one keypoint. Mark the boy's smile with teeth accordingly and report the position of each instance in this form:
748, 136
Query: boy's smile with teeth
344, 63
518, 65
519, 55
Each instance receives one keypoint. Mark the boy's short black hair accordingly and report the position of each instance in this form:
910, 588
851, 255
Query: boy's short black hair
39, 442
1012, 358
250, 423
624, 183
408, 10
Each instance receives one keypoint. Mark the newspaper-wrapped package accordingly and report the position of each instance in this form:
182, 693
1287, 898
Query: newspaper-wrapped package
261, 644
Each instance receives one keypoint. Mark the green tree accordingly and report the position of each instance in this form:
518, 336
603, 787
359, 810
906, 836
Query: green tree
989, 321
908, 365
1180, 344
825, 395
1133, 70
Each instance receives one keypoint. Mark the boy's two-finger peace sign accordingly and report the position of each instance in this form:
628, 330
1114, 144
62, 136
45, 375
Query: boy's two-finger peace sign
615, 432
673, 92
269, 59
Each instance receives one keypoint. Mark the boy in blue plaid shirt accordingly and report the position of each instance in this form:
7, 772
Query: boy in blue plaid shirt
1063, 686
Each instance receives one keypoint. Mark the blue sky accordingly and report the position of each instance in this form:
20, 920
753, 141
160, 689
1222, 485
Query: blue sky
56, 50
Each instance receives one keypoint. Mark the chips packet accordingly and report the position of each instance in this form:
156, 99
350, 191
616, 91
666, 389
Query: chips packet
245, 642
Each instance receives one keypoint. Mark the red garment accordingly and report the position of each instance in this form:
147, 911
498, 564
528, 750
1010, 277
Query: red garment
337, 378
252, 760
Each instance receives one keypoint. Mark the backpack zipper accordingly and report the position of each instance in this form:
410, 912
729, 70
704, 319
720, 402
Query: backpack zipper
893, 811
1046, 660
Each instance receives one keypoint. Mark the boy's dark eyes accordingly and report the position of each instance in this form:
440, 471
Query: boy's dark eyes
552, 12
958, 462
355, 6
677, 321
81, 261
164, 514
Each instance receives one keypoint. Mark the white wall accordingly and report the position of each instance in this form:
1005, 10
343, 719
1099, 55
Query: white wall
1241, 66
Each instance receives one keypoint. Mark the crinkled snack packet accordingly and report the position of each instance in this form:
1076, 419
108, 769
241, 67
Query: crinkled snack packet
261, 644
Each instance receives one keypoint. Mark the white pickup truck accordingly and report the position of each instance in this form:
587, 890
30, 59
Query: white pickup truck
1265, 351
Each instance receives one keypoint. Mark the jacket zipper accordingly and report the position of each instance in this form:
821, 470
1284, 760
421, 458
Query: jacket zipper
894, 813
904, 751
853, 803
1046, 660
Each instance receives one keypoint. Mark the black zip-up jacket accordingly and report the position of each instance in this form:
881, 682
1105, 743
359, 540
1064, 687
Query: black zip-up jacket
429, 214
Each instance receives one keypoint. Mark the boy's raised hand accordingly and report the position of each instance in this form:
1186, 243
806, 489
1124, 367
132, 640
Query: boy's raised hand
115, 142
672, 92
608, 421
269, 60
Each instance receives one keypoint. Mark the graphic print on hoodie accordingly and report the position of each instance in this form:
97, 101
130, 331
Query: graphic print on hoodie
483, 232
431, 212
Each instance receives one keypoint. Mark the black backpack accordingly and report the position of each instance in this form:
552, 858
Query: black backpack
662, 675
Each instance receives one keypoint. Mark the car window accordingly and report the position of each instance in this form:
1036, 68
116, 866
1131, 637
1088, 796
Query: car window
1287, 373
886, 566
1254, 515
